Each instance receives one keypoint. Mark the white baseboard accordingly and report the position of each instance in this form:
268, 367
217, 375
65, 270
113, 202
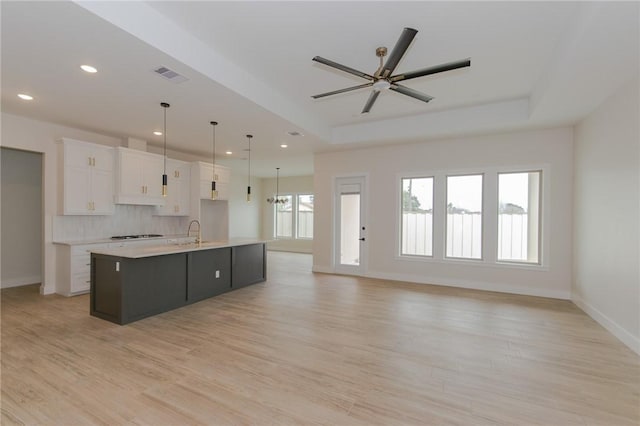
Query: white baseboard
631, 341
474, 285
20, 281
448, 282
290, 249
322, 269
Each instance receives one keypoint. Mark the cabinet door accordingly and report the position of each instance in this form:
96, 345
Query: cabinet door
77, 154
131, 173
77, 188
209, 273
247, 265
176, 203
184, 197
222, 174
102, 192
223, 191
153, 170
153, 285
102, 158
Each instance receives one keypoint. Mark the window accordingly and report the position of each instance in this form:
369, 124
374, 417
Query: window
294, 217
417, 217
464, 217
519, 216
284, 217
305, 216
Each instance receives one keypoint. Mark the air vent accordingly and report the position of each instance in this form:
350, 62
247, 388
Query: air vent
294, 133
170, 75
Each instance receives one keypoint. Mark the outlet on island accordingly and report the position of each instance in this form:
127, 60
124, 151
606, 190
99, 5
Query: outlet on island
217, 274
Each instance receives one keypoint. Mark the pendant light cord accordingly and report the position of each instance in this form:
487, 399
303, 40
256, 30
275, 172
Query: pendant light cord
213, 150
165, 105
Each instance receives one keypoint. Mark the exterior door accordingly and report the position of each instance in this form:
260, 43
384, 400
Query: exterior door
350, 238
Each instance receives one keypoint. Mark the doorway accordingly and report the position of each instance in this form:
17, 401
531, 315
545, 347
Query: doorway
21, 217
350, 225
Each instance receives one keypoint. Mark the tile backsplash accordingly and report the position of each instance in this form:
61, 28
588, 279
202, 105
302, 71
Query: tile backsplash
127, 220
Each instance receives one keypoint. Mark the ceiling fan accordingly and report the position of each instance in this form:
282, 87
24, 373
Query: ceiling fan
382, 78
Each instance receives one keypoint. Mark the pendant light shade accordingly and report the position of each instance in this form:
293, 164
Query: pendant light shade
214, 191
249, 172
164, 105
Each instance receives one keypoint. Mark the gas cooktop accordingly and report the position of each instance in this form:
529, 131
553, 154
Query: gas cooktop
130, 237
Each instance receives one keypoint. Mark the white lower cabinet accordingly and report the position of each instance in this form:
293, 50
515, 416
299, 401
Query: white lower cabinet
74, 261
74, 268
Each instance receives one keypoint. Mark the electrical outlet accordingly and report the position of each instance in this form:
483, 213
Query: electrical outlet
117, 266
217, 274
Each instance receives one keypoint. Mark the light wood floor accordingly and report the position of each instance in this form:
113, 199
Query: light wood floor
308, 348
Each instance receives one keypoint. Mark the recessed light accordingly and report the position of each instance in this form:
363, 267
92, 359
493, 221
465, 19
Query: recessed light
88, 68
284, 145
157, 133
25, 97
228, 152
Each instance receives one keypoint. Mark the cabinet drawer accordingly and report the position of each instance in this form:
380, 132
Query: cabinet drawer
80, 283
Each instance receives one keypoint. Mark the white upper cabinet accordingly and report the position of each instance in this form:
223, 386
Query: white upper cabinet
178, 189
204, 173
139, 177
86, 173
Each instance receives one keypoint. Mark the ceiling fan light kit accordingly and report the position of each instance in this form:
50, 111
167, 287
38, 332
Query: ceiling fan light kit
383, 79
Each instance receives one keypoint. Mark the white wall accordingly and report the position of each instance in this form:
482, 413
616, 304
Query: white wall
38, 136
244, 218
383, 166
606, 271
287, 185
21, 228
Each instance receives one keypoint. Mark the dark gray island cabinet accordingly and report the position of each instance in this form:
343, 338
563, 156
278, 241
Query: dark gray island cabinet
131, 284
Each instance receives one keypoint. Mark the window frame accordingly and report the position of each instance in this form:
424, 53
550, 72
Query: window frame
482, 216
297, 211
541, 213
401, 211
275, 220
294, 217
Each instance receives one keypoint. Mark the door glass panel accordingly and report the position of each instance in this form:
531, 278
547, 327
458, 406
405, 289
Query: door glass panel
350, 229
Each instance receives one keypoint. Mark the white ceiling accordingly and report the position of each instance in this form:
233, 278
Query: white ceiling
533, 64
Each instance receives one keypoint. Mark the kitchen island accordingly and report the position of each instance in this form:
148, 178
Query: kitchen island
131, 283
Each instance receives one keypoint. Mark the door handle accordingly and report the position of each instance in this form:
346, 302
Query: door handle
361, 239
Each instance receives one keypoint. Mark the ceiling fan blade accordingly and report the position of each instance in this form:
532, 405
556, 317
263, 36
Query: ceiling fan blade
432, 70
398, 51
372, 99
348, 89
342, 67
410, 92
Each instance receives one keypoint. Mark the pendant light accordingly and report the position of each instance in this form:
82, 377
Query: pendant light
164, 174
214, 191
277, 199
249, 174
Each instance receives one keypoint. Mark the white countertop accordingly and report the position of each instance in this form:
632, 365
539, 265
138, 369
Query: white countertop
164, 249
109, 240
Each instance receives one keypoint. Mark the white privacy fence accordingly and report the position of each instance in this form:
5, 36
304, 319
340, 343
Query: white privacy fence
285, 224
305, 224
464, 235
513, 232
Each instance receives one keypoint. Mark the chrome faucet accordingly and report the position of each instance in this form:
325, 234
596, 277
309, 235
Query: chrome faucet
199, 237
